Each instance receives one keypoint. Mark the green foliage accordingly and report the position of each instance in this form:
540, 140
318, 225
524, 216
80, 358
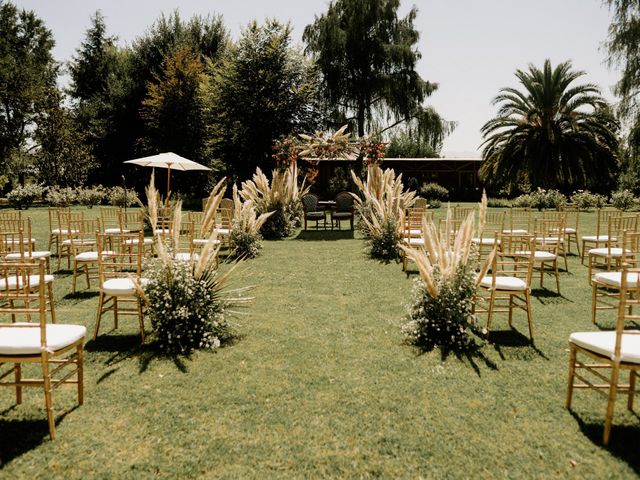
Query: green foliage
433, 191
91, 196
382, 243
541, 199
262, 90
119, 197
623, 200
27, 76
245, 244
173, 109
186, 313
446, 320
22, 197
61, 197
367, 56
553, 133
64, 157
498, 203
584, 200
624, 52
340, 181
403, 145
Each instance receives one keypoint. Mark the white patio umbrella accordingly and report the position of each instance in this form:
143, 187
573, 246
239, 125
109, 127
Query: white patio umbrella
170, 161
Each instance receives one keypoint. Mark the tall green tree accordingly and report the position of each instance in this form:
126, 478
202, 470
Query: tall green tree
262, 90
63, 156
27, 76
367, 56
552, 134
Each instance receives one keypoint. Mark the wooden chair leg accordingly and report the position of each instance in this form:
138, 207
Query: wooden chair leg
46, 380
141, 320
527, 297
572, 370
80, 364
99, 315
52, 307
18, 376
632, 389
594, 297
613, 390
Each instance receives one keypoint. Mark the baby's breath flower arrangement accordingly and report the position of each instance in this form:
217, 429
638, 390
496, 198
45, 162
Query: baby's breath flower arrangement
441, 310
188, 302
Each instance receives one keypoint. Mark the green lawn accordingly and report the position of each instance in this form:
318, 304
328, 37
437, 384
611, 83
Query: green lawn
322, 384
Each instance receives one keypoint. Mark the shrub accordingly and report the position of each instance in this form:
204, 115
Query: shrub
119, 197
61, 197
498, 203
446, 319
339, 182
584, 200
541, 199
434, 191
24, 196
623, 199
91, 196
384, 244
435, 204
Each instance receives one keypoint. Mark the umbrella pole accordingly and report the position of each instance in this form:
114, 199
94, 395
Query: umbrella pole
168, 180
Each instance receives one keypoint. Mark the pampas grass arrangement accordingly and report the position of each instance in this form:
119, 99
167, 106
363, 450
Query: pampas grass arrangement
441, 312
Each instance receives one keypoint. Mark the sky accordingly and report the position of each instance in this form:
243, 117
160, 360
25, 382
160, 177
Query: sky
471, 48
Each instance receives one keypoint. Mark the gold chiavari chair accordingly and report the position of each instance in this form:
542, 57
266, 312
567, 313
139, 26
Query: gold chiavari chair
413, 231
485, 241
84, 250
519, 222
65, 217
117, 273
58, 348
110, 219
508, 285
605, 257
601, 238
571, 225
55, 229
27, 248
612, 352
605, 286
551, 227
547, 248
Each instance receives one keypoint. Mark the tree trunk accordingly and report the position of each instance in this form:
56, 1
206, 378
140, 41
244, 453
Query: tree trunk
360, 117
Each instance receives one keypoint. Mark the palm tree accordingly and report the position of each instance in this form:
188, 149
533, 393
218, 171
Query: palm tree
552, 135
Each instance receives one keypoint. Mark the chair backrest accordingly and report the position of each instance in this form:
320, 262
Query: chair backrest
515, 257
7, 215
124, 257
572, 218
82, 236
12, 237
620, 224
493, 223
54, 218
630, 249
461, 213
224, 217
519, 219
131, 220
344, 202
602, 219
310, 203
549, 233
414, 219
110, 217
22, 292
226, 203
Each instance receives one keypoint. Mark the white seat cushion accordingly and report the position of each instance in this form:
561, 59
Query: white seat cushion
186, 257
121, 286
485, 241
222, 231
569, 230
597, 238
413, 232
538, 255
203, 241
36, 254
92, 256
604, 252
505, 283
34, 281
116, 230
604, 343
65, 231
516, 231
134, 241
78, 242
416, 241
614, 279
26, 340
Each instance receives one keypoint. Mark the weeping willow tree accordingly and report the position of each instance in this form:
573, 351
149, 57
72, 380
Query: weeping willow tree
367, 56
623, 46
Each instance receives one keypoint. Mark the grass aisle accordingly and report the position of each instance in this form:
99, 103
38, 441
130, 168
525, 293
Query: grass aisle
322, 385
